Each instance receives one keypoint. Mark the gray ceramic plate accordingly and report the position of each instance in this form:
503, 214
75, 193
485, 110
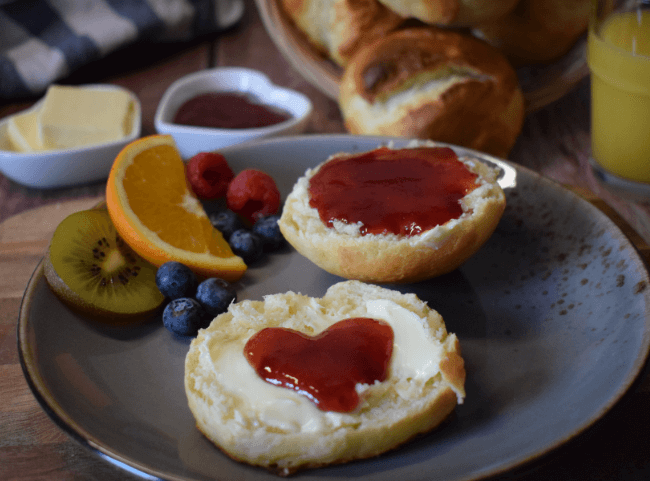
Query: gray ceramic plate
552, 315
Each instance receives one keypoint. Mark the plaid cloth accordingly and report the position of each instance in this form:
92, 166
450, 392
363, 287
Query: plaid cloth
43, 41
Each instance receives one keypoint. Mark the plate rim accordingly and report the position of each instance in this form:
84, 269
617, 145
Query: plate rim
28, 359
47, 402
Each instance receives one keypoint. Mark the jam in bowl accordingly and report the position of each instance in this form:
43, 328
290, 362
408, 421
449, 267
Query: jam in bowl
211, 109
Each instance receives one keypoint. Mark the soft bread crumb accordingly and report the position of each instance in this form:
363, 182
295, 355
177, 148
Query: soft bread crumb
390, 413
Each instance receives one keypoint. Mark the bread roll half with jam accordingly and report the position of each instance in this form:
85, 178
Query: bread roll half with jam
393, 215
257, 422
432, 83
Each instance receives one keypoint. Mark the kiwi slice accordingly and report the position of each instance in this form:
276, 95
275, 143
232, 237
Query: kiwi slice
91, 269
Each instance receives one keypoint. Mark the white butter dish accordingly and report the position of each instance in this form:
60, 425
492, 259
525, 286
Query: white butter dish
65, 167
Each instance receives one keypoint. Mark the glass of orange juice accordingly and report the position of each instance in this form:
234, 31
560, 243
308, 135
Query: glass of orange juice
618, 55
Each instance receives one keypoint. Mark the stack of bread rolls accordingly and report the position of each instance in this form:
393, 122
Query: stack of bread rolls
438, 69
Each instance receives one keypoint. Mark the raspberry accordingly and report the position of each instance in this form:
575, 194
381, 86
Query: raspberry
209, 175
253, 194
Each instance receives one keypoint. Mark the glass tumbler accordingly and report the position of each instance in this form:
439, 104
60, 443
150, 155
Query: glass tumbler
618, 55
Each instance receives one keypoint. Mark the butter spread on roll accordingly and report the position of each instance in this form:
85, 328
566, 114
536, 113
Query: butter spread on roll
415, 357
432, 83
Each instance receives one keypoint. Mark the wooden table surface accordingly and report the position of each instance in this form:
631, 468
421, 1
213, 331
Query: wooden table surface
554, 142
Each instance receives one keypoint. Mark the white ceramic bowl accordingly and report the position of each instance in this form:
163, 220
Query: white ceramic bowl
192, 140
65, 167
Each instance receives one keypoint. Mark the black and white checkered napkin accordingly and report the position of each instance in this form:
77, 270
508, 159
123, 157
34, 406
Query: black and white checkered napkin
43, 41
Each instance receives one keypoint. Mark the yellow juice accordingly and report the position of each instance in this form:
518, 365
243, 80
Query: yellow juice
619, 60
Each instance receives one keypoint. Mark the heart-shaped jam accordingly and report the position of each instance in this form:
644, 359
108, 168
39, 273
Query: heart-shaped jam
325, 368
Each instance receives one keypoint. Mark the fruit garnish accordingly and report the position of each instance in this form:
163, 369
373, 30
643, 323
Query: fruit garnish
176, 280
253, 194
209, 175
226, 222
268, 230
247, 245
185, 316
215, 295
157, 214
90, 268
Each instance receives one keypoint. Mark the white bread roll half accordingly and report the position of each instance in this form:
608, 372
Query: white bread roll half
390, 258
255, 422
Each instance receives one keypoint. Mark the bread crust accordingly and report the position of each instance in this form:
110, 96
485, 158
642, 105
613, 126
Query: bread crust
390, 258
338, 28
432, 83
392, 412
451, 12
537, 31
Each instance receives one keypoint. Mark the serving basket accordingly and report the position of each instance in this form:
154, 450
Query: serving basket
541, 85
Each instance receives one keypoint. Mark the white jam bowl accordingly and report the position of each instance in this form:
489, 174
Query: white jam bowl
191, 140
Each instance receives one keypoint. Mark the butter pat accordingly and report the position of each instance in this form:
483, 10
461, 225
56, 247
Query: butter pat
77, 116
416, 356
23, 132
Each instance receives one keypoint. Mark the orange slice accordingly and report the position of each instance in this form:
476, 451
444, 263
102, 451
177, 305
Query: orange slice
155, 211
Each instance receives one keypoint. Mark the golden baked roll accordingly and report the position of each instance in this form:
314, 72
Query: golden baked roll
273, 426
338, 28
451, 12
537, 31
431, 83
393, 215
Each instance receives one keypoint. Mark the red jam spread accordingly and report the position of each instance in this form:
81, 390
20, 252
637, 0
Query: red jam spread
324, 368
398, 191
228, 111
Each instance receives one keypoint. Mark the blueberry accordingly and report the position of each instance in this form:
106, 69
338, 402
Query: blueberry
175, 280
226, 222
246, 245
215, 295
268, 230
184, 317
